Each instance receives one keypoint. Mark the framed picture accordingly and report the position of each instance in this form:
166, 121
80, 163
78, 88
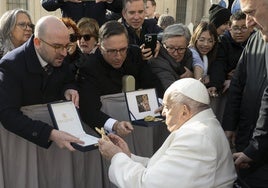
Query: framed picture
142, 103
65, 118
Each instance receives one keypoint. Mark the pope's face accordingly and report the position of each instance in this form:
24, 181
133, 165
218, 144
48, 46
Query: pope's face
174, 113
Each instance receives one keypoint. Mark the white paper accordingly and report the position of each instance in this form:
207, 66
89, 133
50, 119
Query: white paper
67, 120
88, 140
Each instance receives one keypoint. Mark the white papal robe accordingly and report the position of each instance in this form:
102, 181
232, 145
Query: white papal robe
194, 156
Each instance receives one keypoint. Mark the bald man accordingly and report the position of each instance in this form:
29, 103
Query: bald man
35, 73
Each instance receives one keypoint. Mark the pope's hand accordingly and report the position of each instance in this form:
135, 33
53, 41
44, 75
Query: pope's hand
118, 141
108, 149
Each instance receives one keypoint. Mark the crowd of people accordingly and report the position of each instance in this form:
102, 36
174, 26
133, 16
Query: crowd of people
213, 83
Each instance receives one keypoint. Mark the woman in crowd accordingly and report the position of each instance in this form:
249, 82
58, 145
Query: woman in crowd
75, 57
89, 30
16, 27
203, 45
174, 60
74, 34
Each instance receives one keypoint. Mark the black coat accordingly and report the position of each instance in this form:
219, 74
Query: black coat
245, 92
24, 82
148, 26
99, 78
258, 147
228, 55
89, 9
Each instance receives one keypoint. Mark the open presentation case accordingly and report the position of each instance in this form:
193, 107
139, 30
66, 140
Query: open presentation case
141, 106
65, 117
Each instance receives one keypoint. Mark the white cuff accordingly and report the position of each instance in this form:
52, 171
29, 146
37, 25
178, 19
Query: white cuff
109, 125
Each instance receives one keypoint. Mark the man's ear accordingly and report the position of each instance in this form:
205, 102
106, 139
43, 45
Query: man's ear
36, 42
124, 13
186, 110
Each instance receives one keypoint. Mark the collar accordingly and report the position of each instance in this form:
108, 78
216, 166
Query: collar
41, 60
127, 25
199, 117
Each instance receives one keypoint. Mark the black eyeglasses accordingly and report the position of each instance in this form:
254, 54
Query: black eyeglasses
57, 47
75, 37
239, 29
24, 25
86, 37
173, 49
113, 52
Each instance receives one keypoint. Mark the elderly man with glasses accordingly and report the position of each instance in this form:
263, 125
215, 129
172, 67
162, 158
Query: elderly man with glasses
103, 74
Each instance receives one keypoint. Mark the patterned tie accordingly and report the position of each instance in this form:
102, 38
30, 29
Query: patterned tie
48, 69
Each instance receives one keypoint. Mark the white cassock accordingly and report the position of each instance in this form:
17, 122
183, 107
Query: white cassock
196, 155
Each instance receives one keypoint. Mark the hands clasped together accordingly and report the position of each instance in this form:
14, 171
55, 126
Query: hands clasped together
108, 148
241, 160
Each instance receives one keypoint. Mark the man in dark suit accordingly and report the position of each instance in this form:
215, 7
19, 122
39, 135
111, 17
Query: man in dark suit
137, 26
77, 9
103, 75
35, 74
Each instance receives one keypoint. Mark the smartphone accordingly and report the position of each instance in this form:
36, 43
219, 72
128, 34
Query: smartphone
150, 41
